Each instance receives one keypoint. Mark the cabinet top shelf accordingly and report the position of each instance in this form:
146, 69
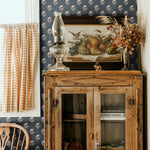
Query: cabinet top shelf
91, 72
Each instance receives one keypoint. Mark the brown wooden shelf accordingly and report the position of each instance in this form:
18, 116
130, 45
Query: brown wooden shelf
74, 116
94, 72
112, 148
77, 120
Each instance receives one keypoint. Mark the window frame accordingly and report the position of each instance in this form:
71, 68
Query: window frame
32, 16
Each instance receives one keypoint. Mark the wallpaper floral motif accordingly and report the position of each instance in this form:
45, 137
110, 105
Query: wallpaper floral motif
35, 126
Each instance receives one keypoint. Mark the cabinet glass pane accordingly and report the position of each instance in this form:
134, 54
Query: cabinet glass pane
113, 121
74, 103
113, 103
74, 121
113, 134
74, 136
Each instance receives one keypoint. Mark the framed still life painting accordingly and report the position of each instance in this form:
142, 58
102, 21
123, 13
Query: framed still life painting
87, 39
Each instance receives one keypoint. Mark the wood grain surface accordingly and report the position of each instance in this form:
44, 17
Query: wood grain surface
91, 83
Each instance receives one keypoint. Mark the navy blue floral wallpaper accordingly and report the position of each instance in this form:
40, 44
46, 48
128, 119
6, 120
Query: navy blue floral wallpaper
35, 125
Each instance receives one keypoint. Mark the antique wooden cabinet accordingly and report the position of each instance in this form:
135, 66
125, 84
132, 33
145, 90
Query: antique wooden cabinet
93, 110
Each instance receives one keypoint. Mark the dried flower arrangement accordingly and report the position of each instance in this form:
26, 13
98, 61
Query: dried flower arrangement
126, 36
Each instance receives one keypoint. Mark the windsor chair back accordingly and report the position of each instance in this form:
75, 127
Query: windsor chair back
13, 137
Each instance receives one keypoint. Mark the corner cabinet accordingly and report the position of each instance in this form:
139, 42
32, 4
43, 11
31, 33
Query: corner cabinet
90, 110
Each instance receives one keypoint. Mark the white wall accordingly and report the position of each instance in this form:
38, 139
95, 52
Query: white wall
144, 19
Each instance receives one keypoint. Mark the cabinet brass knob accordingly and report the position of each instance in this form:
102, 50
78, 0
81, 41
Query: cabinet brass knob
54, 102
132, 101
91, 136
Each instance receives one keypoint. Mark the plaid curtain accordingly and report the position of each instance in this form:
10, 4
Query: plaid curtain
18, 57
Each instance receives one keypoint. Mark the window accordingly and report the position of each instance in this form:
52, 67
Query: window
16, 12
12, 12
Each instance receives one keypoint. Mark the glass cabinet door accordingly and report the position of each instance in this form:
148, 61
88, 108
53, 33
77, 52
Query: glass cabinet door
74, 118
112, 118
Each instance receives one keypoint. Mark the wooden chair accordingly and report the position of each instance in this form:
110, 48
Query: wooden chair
14, 136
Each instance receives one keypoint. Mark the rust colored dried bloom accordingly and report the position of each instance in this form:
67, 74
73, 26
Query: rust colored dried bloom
127, 36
